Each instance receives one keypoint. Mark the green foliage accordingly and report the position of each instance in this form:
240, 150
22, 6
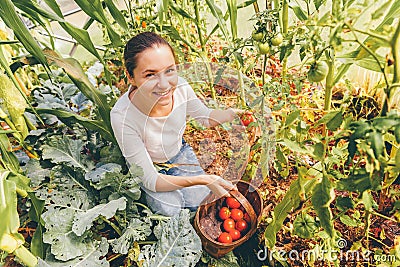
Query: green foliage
177, 243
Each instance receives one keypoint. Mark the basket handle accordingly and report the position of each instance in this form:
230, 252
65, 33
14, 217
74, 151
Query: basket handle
247, 206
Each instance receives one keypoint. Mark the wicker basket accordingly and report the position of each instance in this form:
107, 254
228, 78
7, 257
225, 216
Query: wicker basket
250, 199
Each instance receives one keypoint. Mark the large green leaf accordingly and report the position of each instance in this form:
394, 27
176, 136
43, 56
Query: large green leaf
94, 255
109, 176
84, 220
232, 9
12, 20
70, 118
95, 10
217, 13
116, 13
65, 244
137, 230
79, 78
322, 197
66, 151
177, 245
35, 212
291, 200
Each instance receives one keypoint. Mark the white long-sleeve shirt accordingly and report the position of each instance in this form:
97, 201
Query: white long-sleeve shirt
144, 140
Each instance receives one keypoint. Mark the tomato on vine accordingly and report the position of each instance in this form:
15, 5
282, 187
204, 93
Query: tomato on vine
263, 48
318, 71
257, 36
247, 118
277, 40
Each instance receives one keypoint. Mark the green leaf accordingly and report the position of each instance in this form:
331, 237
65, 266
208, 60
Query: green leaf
109, 175
291, 200
347, 220
368, 200
35, 172
344, 203
8, 157
177, 245
381, 10
318, 151
232, 9
66, 151
70, 118
323, 195
180, 11
358, 181
35, 212
333, 120
217, 13
79, 78
304, 226
397, 133
376, 141
65, 244
299, 13
12, 20
292, 117
94, 255
318, 3
84, 220
137, 230
94, 9
116, 13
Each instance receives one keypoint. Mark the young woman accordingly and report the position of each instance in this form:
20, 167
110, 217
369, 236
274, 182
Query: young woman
149, 121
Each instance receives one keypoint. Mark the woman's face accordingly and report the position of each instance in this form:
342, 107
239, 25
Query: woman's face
155, 76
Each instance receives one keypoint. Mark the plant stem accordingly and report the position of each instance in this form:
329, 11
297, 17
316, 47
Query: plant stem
395, 45
26, 256
116, 228
285, 23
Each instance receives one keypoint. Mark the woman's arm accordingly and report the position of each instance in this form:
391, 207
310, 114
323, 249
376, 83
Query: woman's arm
219, 116
216, 184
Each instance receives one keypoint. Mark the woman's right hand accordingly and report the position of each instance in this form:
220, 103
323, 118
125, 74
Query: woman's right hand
219, 186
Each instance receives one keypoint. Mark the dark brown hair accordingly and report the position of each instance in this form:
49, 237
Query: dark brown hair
138, 44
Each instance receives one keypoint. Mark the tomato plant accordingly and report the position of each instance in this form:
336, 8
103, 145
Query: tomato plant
241, 225
232, 203
247, 118
264, 48
229, 225
257, 36
224, 213
277, 39
236, 214
318, 71
225, 238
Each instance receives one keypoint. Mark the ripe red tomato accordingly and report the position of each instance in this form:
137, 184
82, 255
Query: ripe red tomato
225, 238
235, 234
229, 225
246, 217
247, 118
232, 203
224, 213
241, 225
236, 214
